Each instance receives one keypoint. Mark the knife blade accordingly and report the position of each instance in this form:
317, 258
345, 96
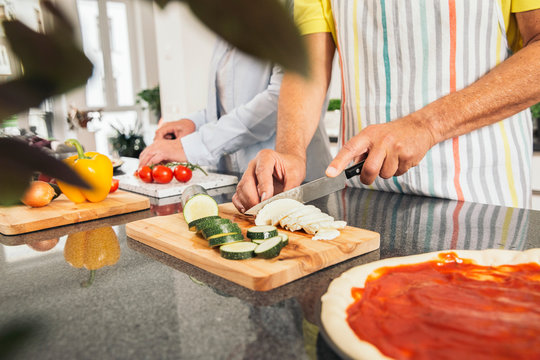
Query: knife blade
314, 189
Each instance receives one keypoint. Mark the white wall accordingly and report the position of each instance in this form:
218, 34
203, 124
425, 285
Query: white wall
184, 47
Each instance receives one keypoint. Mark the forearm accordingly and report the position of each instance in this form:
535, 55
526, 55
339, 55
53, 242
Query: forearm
301, 99
509, 88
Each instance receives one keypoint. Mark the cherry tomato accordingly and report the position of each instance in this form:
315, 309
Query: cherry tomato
182, 173
114, 185
162, 174
145, 174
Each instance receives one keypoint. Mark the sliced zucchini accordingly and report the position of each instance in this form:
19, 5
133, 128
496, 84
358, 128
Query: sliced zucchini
200, 206
238, 251
269, 248
284, 238
213, 230
222, 234
258, 241
262, 232
225, 239
211, 223
193, 225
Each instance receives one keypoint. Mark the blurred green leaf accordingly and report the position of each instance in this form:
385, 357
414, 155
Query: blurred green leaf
53, 64
18, 162
262, 28
16, 334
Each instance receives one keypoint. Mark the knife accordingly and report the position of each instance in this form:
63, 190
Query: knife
314, 189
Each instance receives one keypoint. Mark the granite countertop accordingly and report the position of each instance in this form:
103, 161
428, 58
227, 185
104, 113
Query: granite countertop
150, 305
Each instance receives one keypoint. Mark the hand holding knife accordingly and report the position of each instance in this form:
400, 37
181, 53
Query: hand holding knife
314, 189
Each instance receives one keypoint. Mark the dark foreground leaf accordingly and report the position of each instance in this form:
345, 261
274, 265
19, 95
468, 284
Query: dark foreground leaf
18, 162
262, 28
53, 64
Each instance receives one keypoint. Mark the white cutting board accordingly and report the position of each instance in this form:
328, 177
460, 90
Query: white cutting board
131, 183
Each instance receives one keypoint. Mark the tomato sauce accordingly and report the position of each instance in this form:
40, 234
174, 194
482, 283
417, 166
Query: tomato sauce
450, 308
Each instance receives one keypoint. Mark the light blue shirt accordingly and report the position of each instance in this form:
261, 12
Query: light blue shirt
247, 89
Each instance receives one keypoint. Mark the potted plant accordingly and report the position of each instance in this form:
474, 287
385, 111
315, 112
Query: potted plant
333, 119
128, 141
535, 111
151, 98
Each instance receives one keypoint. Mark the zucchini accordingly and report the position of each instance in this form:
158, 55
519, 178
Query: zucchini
225, 239
238, 251
212, 230
211, 223
199, 206
284, 238
258, 241
193, 225
262, 232
269, 248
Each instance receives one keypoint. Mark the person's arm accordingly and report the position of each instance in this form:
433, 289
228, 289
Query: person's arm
391, 149
245, 125
299, 111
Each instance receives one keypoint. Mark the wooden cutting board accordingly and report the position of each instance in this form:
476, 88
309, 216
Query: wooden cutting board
21, 219
301, 257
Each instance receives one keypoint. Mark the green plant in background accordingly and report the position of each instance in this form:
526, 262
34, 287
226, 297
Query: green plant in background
535, 110
54, 64
128, 141
152, 99
334, 104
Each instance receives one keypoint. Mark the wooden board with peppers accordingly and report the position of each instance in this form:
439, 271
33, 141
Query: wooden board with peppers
22, 219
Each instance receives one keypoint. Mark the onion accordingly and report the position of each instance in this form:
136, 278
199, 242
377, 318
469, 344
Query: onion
38, 194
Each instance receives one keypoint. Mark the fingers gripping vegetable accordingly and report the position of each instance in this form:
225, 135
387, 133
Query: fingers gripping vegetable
92, 249
93, 167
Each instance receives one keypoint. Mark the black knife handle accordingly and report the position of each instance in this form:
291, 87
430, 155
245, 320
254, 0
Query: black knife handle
354, 170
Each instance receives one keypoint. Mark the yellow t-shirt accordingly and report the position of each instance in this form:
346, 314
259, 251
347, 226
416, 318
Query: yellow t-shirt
313, 16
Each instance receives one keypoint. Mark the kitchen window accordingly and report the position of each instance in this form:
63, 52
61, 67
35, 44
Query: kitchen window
106, 41
116, 37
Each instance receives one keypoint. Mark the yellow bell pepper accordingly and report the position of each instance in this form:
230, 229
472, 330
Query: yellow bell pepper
92, 249
93, 167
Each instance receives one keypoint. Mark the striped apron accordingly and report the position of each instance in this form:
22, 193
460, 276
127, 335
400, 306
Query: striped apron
402, 55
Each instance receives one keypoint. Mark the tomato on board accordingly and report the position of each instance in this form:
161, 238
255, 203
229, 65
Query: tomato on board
182, 173
145, 174
114, 185
162, 174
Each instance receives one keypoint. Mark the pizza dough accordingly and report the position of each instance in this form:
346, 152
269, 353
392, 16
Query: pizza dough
338, 296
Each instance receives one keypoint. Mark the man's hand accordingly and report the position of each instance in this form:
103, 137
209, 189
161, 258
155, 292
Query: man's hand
162, 150
267, 174
390, 149
175, 129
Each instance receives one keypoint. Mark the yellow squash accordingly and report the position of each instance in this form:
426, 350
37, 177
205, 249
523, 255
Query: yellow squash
93, 167
92, 249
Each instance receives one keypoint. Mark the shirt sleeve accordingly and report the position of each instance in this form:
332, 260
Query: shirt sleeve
313, 16
198, 118
250, 123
